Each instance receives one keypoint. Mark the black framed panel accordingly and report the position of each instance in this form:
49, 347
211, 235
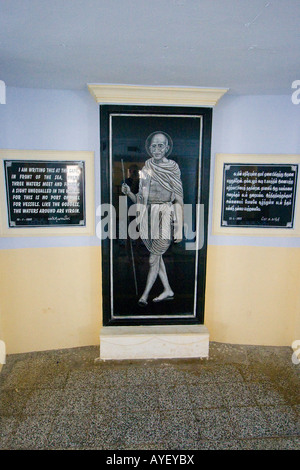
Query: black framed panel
44, 193
130, 136
259, 195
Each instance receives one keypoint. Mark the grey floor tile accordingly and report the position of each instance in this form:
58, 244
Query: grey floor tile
196, 372
84, 379
228, 353
142, 428
289, 387
265, 355
142, 398
8, 425
109, 398
255, 374
156, 445
206, 396
163, 445
31, 433
271, 444
266, 394
199, 374
141, 375
215, 424
114, 377
284, 355
249, 422
84, 354
13, 402
296, 409
226, 373
241, 397
76, 401
172, 375
174, 397
179, 426
182, 444
75, 358
283, 420
43, 401
232, 444
52, 379
207, 375
237, 394
107, 430
69, 431
22, 375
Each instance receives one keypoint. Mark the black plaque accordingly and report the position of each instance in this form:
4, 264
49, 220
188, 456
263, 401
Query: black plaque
45, 193
259, 195
126, 136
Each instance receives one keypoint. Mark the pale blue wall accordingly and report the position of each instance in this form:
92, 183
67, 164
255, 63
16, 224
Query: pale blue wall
51, 120
69, 120
258, 125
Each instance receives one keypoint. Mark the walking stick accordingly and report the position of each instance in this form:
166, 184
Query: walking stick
130, 241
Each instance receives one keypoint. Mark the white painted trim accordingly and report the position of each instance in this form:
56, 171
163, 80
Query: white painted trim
155, 95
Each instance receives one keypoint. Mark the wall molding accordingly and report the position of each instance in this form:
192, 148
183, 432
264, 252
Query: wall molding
156, 95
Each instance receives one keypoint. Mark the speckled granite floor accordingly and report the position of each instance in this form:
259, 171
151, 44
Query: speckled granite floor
242, 397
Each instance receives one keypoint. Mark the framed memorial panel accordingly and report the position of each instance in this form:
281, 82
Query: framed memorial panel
46, 193
256, 195
155, 164
259, 195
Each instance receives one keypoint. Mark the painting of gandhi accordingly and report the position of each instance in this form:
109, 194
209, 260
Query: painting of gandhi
161, 196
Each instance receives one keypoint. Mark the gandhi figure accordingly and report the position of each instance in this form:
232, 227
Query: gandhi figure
161, 196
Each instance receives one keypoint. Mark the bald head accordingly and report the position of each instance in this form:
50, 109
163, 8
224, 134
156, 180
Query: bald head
159, 146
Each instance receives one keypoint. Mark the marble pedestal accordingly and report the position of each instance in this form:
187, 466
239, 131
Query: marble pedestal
154, 342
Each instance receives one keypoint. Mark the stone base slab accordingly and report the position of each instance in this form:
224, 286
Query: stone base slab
154, 342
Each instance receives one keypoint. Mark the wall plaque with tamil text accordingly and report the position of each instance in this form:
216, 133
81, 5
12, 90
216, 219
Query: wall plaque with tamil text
259, 195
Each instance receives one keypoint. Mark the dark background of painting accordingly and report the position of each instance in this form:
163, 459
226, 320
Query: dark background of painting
129, 134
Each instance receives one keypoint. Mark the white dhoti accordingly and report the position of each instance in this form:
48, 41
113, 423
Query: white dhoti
156, 218
156, 227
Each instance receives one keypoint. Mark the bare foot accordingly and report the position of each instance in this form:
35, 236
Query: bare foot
166, 295
142, 302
